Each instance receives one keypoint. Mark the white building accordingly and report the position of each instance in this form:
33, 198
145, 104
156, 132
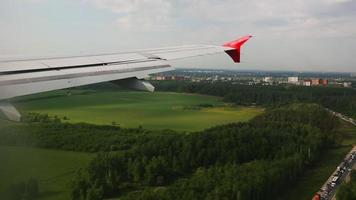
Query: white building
293, 80
347, 84
307, 83
267, 79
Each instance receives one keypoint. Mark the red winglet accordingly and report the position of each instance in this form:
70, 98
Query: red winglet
235, 53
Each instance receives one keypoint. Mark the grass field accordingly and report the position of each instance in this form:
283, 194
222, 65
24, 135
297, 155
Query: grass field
53, 169
156, 110
311, 181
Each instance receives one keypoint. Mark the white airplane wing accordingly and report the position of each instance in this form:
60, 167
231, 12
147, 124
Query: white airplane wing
31, 76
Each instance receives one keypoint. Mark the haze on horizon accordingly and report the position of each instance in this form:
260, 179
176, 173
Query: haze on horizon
297, 35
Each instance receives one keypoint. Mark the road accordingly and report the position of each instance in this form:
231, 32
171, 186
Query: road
328, 190
342, 117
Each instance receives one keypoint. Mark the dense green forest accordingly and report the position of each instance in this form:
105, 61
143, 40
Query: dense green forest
41, 130
342, 100
253, 160
347, 191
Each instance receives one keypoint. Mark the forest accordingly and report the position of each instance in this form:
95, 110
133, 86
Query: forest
253, 160
348, 190
43, 131
342, 100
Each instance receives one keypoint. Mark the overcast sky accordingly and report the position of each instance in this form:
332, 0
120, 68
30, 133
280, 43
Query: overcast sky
313, 35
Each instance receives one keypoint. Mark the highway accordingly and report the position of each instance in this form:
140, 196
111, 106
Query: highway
342, 117
329, 188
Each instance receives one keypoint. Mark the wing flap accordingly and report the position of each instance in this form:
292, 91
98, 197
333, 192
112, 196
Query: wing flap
21, 65
70, 62
191, 52
124, 57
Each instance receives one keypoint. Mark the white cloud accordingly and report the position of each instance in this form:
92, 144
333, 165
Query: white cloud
337, 1
138, 14
293, 18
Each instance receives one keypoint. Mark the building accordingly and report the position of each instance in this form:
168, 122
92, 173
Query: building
159, 78
315, 81
325, 82
293, 80
168, 78
267, 79
178, 78
307, 83
347, 84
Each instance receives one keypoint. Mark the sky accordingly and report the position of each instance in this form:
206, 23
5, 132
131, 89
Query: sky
298, 35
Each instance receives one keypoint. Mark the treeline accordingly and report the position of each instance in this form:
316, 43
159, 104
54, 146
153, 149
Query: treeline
347, 191
342, 100
254, 160
41, 130
27, 190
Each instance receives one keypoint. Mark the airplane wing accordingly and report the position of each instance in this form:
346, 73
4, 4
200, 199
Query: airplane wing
31, 76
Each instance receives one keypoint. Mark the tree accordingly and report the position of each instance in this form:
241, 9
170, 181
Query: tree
32, 191
95, 192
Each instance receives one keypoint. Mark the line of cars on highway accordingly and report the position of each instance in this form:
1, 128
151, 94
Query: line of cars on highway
342, 171
343, 117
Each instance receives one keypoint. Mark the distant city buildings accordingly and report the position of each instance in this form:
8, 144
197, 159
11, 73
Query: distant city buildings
167, 78
316, 82
253, 79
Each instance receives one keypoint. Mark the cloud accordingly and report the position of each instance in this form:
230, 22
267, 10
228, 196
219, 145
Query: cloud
293, 18
138, 14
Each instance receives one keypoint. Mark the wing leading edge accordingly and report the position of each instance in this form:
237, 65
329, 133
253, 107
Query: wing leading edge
31, 76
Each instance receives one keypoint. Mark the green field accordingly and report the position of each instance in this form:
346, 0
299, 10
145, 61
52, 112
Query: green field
52, 168
156, 110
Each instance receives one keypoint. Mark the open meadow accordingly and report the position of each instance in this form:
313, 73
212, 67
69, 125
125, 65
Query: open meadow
158, 110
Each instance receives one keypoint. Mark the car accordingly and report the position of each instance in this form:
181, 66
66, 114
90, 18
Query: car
335, 179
